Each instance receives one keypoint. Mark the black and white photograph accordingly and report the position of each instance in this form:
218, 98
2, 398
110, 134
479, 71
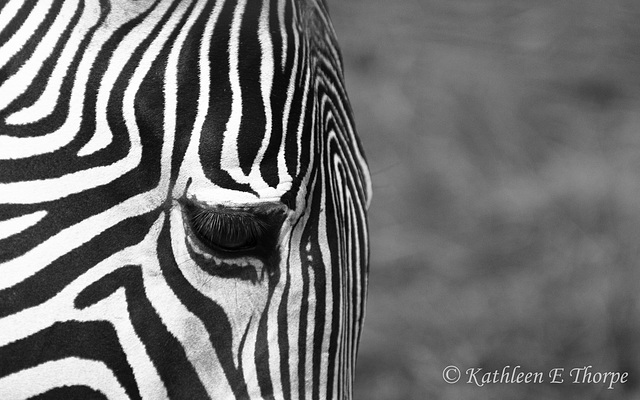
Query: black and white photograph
319, 199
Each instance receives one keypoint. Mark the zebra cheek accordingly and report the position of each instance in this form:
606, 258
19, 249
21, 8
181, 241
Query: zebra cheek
243, 300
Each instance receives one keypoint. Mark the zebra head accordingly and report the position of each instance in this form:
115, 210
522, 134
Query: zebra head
182, 202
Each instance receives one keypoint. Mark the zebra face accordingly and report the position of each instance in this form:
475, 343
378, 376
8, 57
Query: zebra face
182, 202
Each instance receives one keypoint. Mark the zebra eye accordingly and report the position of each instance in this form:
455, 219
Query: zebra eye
226, 231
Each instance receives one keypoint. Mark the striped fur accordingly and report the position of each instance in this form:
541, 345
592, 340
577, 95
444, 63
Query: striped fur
115, 118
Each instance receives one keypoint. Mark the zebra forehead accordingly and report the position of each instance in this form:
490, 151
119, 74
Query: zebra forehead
239, 80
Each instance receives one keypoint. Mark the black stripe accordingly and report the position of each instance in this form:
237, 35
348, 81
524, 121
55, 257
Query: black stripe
30, 45
70, 393
280, 85
341, 120
189, 77
65, 160
283, 335
262, 356
219, 105
89, 340
336, 265
252, 126
57, 117
150, 99
306, 268
56, 276
165, 351
7, 31
36, 88
310, 237
295, 115
211, 314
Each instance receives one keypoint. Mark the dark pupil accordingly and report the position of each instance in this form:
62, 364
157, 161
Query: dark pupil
234, 243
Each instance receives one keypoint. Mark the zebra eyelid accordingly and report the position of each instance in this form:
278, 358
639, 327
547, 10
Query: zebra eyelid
233, 230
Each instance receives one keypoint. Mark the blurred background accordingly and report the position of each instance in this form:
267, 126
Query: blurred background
504, 143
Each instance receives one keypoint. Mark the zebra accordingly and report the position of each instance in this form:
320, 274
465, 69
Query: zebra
183, 202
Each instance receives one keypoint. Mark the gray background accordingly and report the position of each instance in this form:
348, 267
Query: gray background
503, 139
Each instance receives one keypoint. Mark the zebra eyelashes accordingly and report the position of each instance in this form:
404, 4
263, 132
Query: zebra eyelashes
228, 231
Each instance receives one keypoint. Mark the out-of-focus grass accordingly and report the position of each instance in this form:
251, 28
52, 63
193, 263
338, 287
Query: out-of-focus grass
504, 143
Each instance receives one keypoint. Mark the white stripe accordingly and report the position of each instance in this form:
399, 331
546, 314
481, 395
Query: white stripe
47, 102
303, 118
272, 329
16, 225
70, 371
103, 135
349, 136
294, 307
242, 301
61, 308
182, 324
326, 259
283, 173
277, 297
266, 84
202, 189
248, 357
18, 83
38, 258
112, 308
295, 317
31, 192
283, 31
12, 148
22, 35
343, 326
229, 160
8, 12
311, 320
185, 326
